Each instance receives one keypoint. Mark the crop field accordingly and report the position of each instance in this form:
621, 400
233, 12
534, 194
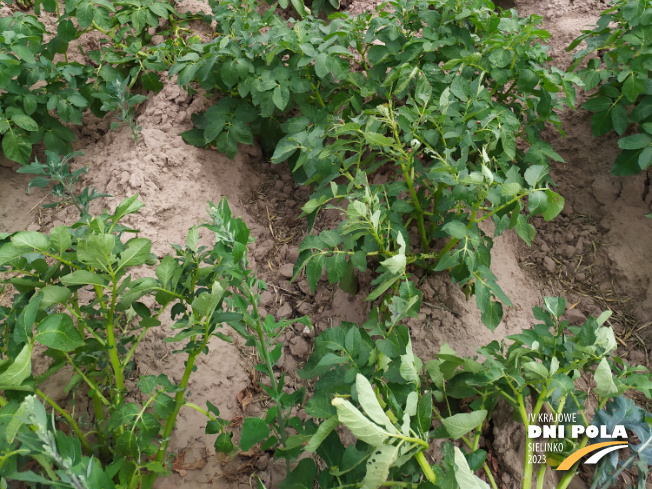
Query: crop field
339, 244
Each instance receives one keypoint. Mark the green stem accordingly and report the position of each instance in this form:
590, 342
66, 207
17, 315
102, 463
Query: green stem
262, 349
90, 383
149, 479
529, 451
490, 476
541, 476
113, 346
417, 208
615, 475
425, 466
68, 418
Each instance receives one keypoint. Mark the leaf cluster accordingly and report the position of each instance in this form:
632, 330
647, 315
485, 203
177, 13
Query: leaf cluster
41, 93
619, 61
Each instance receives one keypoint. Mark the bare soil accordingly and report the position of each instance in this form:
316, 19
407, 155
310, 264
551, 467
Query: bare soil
597, 254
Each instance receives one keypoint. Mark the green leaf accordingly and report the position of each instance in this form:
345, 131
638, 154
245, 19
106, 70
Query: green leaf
619, 118
19, 370
194, 137
223, 443
378, 465
358, 424
10, 251
284, 149
555, 204
424, 412
423, 91
456, 229
23, 52
58, 331
492, 315
601, 123
97, 251
66, 30
336, 267
645, 158
375, 139
349, 282
463, 474
31, 239
137, 253
555, 305
537, 368
460, 424
370, 405
54, 294
302, 477
300, 8
635, 141
322, 65
254, 430
325, 428
24, 122
524, 229
598, 104
206, 303
17, 146
313, 271
626, 163
605, 386
509, 144
281, 97
60, 239
534, 174
84, 277
151, 81
128, 206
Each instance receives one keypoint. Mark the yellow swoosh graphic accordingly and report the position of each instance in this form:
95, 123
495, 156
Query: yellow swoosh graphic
574, 457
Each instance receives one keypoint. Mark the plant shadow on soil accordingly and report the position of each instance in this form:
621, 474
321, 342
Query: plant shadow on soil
596, 254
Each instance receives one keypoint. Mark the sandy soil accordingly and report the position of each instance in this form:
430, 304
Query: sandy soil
597, 254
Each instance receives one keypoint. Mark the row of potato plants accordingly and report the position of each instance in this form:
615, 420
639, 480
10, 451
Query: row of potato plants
76, 303
409, 119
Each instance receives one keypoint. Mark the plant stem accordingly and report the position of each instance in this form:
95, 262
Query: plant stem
149, 479
113, 346
541, 476
490, 476
262, 349
622, 468
417, 208
68, 418
425, 466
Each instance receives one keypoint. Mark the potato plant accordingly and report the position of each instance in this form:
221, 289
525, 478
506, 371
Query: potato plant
370, 381
77, 301
617, 56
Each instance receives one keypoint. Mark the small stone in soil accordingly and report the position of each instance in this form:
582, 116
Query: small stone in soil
549, 264
286, 270
284, 311
266, 298
298, 346
575, 316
